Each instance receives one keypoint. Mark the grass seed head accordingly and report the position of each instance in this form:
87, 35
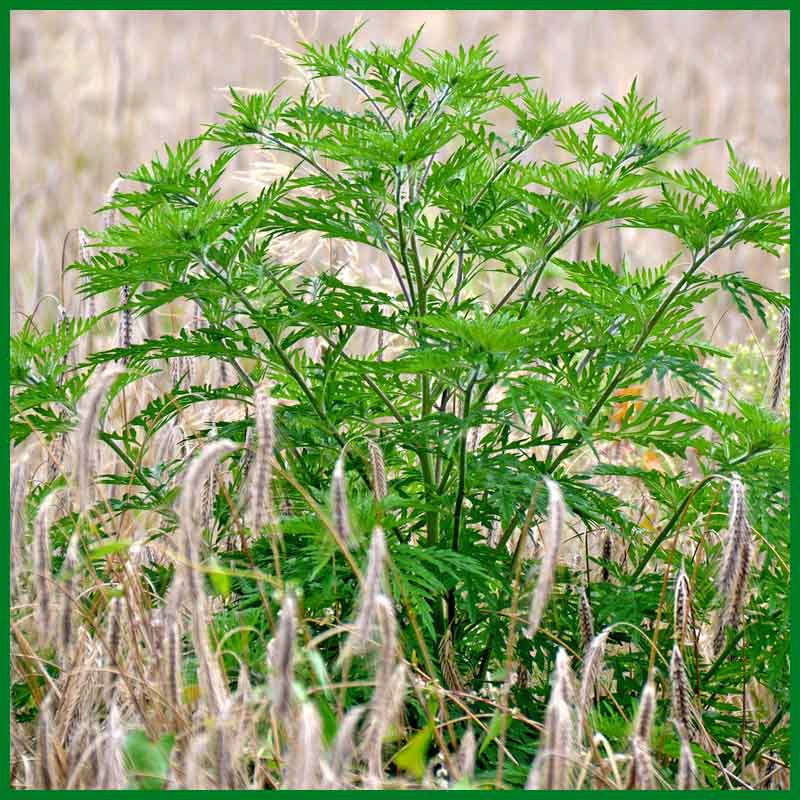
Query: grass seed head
304, 753
260, 473
547, 567
366, 615
680, 691
86, 434
339, 507
586, 618
379, 486
682, 606
781, 362
281, 656
687, 771
593, 660
68, 587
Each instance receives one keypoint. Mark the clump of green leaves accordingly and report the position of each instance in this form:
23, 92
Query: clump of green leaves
484, 382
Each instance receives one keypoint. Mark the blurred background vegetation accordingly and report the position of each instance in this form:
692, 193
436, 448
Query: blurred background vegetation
95, 93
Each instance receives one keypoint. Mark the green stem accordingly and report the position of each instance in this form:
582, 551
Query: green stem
673, 521
279, 352
437, 264
462, 463
128, 462
543, 262
764, 735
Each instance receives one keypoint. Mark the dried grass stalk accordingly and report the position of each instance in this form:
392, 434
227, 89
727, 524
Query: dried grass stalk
281, 658
212, 681
687, 771
547, 566
86, 434
260, 475
42, 569
339, 507
681, 693
682, 606
305, 752
552, 767
593, 659
379, 485
640, 775
585, 618
781, 362
362, 632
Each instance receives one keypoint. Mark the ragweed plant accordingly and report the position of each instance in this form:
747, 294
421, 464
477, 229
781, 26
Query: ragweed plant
362, 499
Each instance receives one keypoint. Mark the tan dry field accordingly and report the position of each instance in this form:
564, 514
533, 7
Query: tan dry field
95, 93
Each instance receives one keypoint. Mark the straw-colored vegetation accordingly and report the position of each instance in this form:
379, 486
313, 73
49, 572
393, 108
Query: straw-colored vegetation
408, 426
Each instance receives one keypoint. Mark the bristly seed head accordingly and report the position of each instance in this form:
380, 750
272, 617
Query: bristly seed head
643, 725
682, 607
586, 618
86, 434
339, 503
366, 616
110, 215
738, 529
379, 486
305, 756
281, 657
687, 772
640, 775
42, 568
547, 567
606, 554
552, 767
681, 692
781, 362
125, 328
69, 570
593, 660
19, 479
260, 473
735, 570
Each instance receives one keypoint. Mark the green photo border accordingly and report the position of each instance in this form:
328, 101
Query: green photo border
794, 133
